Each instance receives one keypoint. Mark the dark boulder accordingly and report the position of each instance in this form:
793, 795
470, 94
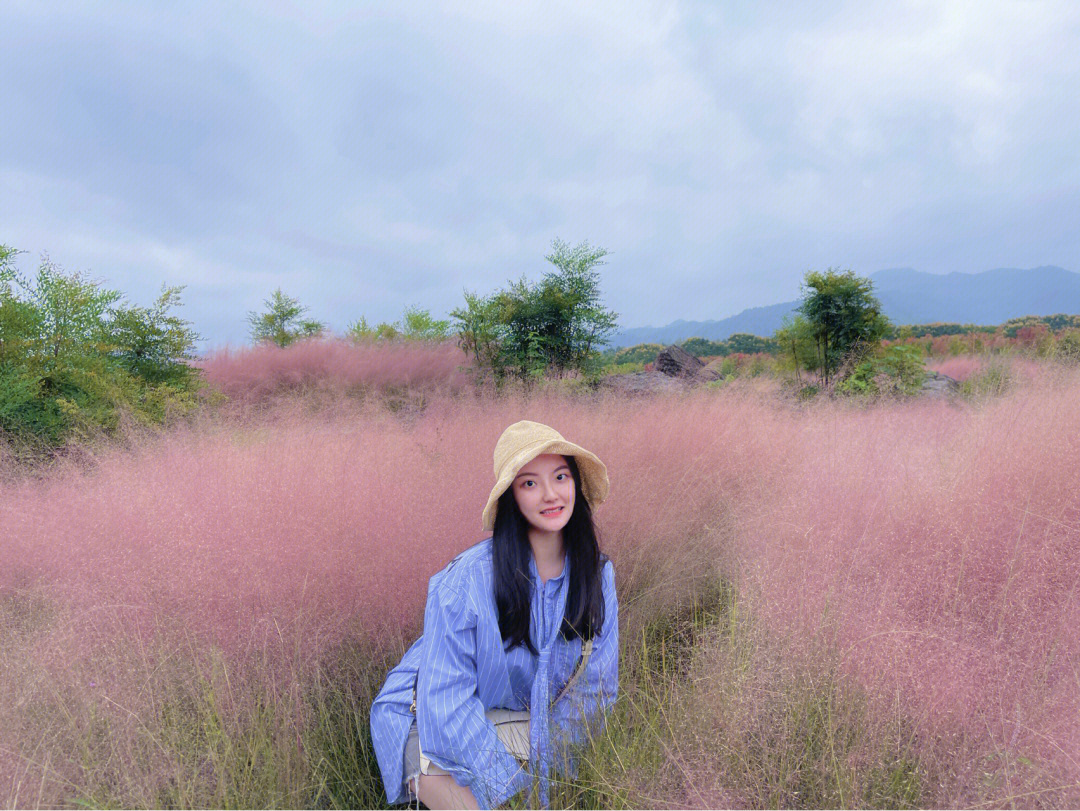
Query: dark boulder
674, 361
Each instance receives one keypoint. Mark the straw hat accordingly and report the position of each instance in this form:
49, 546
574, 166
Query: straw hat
524, 441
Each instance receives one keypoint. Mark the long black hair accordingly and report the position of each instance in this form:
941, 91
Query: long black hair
510, 548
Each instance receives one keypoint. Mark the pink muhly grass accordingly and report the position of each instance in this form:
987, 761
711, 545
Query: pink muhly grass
345, 516
334, 364
928, 548
936, 548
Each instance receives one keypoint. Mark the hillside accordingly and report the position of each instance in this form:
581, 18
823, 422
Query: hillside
907, 297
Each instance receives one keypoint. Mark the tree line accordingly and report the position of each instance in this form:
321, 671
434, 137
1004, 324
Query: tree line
528, 331
76, 356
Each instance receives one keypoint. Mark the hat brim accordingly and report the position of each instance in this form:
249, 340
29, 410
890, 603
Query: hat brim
594, 478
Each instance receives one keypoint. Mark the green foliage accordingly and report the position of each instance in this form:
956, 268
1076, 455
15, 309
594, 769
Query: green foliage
419, 325
843, 315
415, 325
360, 330
478, 330
798, 347
529, 330
739, 343
624, 368
936, 330
898, 370
74, 356
1054, 323
639, 353
283, 322
746, 344
1068, 348
152, 342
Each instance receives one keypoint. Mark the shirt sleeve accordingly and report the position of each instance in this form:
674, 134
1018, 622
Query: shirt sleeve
596, 689
454, 733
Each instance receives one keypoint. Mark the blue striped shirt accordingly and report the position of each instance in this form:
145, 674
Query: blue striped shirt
464, 670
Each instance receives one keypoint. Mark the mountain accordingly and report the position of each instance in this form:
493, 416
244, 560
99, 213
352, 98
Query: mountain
907, 297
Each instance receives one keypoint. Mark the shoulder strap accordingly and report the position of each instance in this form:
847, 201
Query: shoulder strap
586, 652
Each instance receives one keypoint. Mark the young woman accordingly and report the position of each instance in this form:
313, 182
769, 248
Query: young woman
520, 644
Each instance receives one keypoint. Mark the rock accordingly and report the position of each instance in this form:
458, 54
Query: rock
936, 384
712, 369
674, 361
644, 383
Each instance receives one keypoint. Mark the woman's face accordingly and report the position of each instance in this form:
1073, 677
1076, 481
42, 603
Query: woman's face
544, 491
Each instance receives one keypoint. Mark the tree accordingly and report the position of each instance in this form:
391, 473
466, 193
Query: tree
580, 324
283, 321
553, 326
844, 318
798, 348
154, 344
479, 330
418, 325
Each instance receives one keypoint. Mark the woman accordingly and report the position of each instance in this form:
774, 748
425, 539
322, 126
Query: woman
520, 643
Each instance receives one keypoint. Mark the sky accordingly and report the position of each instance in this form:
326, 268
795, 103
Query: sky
366, 157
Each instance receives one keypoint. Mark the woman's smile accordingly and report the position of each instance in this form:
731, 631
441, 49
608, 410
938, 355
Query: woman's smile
544, 491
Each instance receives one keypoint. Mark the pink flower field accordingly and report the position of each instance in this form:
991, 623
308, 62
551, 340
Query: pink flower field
200, 619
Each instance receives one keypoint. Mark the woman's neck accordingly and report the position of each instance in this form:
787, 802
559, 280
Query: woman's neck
548, 552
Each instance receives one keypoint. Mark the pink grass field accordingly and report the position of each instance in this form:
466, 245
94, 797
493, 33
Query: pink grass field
934, 547
964, 367
334, 364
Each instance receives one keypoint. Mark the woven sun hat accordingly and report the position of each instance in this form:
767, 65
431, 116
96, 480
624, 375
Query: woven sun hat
524, 441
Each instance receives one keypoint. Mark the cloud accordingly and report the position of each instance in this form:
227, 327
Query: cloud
370, 157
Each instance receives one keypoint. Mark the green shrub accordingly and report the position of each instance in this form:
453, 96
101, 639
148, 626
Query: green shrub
640, 353
1068, 348
74, 357
415, 325
898, 370
625, 368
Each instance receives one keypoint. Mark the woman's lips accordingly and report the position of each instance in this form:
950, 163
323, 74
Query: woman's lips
557, 511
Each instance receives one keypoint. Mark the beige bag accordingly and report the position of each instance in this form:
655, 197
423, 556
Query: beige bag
512, 726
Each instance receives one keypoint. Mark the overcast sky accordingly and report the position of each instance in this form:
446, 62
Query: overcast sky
369, 156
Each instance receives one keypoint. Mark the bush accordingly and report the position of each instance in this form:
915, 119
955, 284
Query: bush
624, 368
415, 325
74, 357
640, 353
899, 370
1068, 348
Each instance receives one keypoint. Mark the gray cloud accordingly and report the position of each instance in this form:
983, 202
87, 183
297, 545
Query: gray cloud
367, 158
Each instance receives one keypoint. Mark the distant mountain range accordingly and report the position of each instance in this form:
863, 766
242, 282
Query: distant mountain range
907, 297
